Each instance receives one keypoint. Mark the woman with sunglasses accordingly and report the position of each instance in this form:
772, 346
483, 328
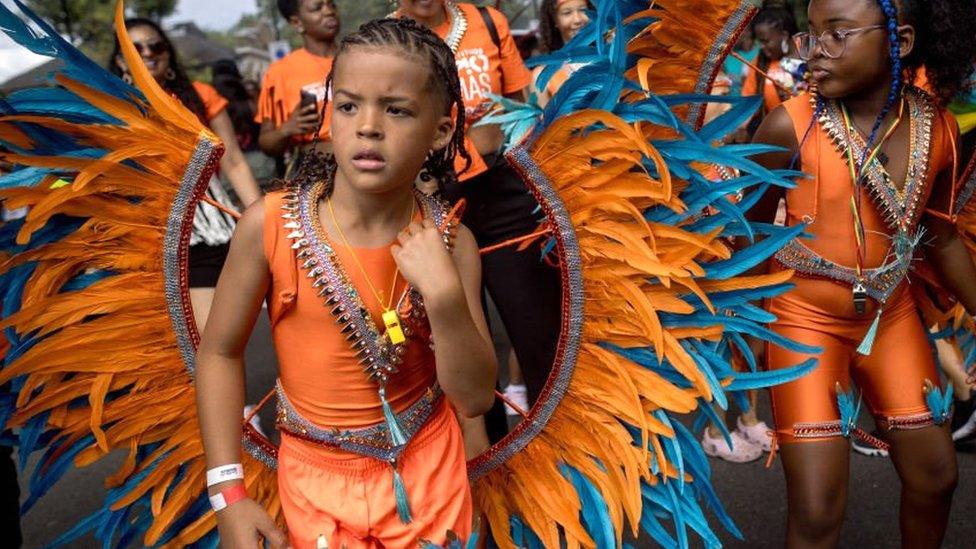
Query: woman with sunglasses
212, 227
878, 198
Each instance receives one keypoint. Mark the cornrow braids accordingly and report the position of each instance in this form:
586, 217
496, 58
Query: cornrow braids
408, 38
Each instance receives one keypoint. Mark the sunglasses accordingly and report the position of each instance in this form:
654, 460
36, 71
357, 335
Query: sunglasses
157, 47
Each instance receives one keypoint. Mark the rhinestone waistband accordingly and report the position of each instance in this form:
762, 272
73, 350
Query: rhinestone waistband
372, 441
879, 283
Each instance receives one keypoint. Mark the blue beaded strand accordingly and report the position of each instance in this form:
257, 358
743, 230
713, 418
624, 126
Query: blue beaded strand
894, 48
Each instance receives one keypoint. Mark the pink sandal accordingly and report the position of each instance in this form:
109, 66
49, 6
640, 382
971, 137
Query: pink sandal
757, 434
742, 450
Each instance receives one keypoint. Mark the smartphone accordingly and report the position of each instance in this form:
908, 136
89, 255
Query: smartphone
308, 98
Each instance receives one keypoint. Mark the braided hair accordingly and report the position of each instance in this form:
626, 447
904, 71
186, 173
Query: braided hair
180, 85
897, 80
406, 37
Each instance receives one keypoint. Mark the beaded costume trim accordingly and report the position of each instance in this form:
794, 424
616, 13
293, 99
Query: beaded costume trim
317, 258
916, 421
901, 207
966, 194
373, 441
878, 283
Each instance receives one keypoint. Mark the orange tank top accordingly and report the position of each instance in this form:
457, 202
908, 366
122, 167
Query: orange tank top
318, 369
823, 199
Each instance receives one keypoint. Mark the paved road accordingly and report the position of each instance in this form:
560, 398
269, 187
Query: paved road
754, 495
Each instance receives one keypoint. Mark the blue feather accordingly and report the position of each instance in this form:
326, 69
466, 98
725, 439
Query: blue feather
594, 511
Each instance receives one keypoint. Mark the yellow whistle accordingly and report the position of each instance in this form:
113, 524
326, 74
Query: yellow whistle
393, 329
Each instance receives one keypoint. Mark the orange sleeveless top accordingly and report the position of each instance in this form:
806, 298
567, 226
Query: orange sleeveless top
318, 369
823, 200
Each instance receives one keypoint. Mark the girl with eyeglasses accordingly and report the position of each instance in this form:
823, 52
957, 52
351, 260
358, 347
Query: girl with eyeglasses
878, 200
212, 227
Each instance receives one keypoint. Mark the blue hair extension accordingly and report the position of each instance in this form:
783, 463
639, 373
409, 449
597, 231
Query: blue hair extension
891, 17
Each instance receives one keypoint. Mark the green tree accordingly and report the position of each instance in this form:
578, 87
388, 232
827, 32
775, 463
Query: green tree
85, 22
153, 9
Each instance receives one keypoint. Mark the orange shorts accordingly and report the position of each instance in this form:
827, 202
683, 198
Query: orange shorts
349, 498
890, 379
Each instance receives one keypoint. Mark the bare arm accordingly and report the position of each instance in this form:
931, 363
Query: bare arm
947, 253
233, 163
451, 287
274, 141
220, 374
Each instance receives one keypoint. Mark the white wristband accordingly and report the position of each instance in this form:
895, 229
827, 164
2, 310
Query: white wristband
217, 502
232, 471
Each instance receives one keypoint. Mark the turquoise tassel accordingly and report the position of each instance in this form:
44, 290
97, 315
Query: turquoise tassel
868, 342
397, 436
402, 503
849, 409
939, 402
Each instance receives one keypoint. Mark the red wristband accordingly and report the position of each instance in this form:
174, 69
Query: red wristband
228, 496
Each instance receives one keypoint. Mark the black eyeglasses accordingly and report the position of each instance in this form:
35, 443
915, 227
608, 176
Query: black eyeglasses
156, 47
833, 43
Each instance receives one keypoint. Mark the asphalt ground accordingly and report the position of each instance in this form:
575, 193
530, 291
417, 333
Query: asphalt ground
754, 495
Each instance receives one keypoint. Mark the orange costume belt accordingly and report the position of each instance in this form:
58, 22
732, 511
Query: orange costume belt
877, 283
373, 441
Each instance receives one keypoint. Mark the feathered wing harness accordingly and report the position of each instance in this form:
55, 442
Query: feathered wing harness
95, 308
655, 299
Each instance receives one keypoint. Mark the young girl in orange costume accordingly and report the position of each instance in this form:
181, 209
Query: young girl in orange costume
362, 275
879, 156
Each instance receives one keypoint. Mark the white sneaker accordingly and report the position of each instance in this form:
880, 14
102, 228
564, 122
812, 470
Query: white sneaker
966, 430
255, 420
757, 434
742, 451
519, 396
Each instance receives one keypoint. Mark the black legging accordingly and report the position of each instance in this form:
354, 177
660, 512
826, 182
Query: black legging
526, 291
9, 499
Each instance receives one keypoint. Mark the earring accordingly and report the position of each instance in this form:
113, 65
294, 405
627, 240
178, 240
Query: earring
127, 78
170, 74
786, 47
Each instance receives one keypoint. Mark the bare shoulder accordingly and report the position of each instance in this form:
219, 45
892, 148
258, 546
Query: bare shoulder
777, 129
249, 232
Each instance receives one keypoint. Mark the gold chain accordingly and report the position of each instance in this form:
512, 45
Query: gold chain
352, 252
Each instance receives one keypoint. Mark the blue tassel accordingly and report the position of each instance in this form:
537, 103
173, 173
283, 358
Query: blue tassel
868, 342
849, 409
400, 491
939, 402
397, 436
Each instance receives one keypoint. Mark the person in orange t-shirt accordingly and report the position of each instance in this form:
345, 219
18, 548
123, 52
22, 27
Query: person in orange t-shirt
285, 121
526, 291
